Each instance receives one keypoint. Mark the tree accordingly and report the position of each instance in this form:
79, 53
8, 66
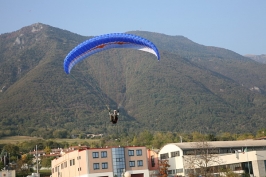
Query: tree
2, 165
24, 164
60, 133
145, 138
197, 136
158, 140
204, 160
229, 173
261, 133
245, 136
12, 149
47, 150
163, 164
46, 161
135, 141
226, 136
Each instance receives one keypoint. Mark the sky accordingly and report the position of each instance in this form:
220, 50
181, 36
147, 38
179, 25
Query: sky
237, 25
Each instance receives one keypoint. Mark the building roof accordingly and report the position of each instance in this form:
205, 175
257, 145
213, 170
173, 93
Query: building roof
223, 144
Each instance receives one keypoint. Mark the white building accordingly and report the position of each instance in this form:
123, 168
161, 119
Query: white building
248, 156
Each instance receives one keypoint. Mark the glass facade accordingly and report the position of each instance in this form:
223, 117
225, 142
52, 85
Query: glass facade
118, 161
247, 166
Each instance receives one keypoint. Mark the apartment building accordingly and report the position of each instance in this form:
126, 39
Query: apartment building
105, 162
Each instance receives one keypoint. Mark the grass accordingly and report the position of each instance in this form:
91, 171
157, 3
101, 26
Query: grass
75, 140
19, 139
16, 139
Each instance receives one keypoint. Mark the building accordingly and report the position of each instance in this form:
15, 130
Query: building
248, 156
112, 162
153, 162
8, 173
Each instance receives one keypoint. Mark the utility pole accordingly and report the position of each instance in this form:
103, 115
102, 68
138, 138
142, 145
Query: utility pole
8, 160
5, 161
37, 160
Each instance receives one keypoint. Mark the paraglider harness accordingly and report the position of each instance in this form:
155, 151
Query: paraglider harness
113, 116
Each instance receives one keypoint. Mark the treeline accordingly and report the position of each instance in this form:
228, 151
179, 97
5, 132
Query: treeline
158, 139
144, 138
155, 139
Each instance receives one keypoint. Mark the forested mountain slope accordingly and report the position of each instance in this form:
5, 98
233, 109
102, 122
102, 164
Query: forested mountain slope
192, 88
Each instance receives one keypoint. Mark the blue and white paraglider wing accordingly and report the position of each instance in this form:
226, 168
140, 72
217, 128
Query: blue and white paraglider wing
105, 42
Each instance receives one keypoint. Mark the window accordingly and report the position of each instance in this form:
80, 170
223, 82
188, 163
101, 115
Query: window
120, 170
103, 154
96, 166
132, 163
79, 157
164, 156
65, 164
140, 163
152, 161
131, 152
139, 152
62, 167
189, 152
72, 162
119, 159
180, 170
95, 154
175, 154
104, 165
235, 166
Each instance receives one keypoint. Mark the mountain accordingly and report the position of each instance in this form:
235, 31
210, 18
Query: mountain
258, 58
192, 88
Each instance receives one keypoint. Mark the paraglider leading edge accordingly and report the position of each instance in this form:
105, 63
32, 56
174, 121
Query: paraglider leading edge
105, 42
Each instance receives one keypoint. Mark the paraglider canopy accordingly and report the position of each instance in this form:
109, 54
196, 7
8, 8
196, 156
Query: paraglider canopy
105, 42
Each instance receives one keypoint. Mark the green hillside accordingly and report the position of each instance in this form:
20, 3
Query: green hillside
192, 88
